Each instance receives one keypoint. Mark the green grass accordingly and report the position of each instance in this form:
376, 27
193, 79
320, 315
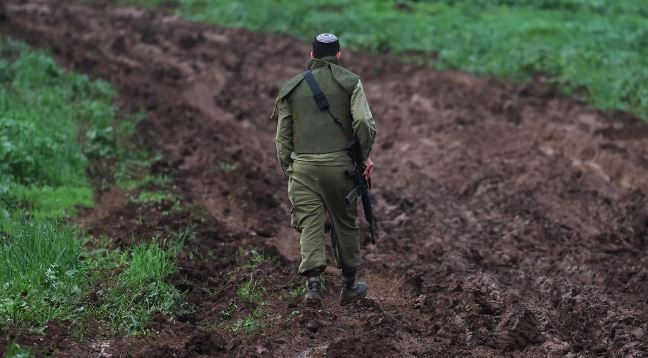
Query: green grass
248, 323
593, 49
142, 290
47, 120
153, 197
41, 270
183, 234
47, 274
14, 350
132, 171
53, 124
256, 259
298, 291
252, 291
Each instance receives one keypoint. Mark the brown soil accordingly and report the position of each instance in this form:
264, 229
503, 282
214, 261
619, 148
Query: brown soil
513, 219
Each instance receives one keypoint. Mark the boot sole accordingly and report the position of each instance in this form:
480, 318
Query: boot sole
344, 302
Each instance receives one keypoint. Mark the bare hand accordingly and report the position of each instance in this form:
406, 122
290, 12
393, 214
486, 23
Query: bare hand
369, 167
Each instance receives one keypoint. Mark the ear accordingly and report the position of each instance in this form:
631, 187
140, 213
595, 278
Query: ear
312, 56
338, 55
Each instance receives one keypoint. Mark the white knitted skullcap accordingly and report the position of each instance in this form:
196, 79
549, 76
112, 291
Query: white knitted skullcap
326, 38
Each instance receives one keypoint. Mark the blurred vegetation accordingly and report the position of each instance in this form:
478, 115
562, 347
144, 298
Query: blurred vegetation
51, 121
14, 350
53, 124
41, 271
596, 50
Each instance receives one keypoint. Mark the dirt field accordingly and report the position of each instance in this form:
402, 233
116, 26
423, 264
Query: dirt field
513, 220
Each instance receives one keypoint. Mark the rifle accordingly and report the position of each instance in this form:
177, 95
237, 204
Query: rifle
361, 185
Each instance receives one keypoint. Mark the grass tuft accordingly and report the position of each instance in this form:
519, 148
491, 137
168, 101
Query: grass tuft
14, 350
42, 272
183, 234
248, 323
154, 197
298, 291
252, 291
257, 259
141, 290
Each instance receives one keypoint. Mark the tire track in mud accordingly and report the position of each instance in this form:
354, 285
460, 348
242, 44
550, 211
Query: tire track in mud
513, 219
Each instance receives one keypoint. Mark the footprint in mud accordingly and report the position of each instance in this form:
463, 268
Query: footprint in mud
365, 304
313, 319
484, 312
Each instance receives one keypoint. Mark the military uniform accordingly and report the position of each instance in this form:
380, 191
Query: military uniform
311, 149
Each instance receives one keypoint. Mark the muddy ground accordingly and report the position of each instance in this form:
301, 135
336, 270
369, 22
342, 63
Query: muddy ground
513, 219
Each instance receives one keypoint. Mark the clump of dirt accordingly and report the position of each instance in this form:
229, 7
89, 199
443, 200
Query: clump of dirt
513, 219
207, 342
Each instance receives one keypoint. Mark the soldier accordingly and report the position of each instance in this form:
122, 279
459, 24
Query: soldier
311, 148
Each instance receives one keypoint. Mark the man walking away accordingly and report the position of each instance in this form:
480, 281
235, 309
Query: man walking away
312, 151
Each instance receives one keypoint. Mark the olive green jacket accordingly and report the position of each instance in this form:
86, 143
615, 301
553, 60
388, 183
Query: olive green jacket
363, 124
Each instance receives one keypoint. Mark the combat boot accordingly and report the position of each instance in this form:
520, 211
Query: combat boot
314, 293
351, 290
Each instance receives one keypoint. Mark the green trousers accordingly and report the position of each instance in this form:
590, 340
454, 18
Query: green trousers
314, 191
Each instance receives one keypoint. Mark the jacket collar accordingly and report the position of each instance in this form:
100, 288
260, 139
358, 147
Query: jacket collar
322, 62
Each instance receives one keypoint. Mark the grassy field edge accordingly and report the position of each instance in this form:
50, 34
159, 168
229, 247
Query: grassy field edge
56, 127
596, 51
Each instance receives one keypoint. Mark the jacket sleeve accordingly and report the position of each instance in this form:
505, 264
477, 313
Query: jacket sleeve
284, 138
364, 126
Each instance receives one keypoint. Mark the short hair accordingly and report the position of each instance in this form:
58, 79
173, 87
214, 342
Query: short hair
325, 45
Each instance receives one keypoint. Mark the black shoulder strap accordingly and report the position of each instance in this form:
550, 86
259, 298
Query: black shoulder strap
318, 95
320, 99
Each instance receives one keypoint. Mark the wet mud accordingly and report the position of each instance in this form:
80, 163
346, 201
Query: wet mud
513, 220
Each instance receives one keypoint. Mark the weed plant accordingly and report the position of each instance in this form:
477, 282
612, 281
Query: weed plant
595, 50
